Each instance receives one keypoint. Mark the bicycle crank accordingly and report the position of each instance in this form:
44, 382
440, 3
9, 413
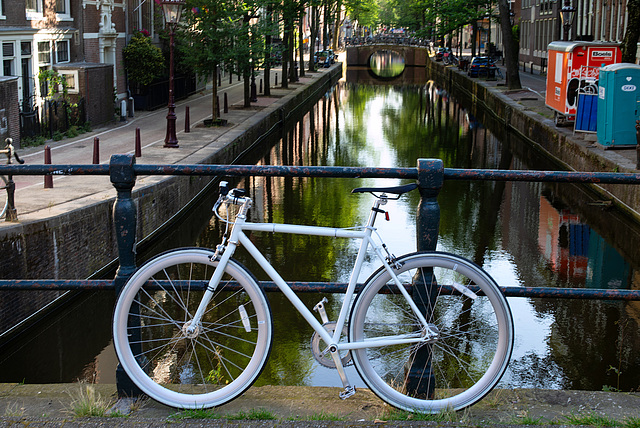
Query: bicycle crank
323, 356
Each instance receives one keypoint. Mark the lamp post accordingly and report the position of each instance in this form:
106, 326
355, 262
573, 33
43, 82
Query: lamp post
566, 16
171, 10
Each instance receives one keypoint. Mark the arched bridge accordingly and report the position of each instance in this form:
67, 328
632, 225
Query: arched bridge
414, 56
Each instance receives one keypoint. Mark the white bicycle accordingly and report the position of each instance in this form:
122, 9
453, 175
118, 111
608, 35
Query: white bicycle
427, 332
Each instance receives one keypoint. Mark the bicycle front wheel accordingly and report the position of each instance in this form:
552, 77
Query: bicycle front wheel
174, 365
453, 371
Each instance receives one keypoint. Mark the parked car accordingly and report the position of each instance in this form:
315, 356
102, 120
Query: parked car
481, 65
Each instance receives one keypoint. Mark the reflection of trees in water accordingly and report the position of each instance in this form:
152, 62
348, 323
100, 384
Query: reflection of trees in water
592, 337
479, 220
536, 371
386, 63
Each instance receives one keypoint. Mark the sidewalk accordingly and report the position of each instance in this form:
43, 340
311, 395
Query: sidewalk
282, 406
33, 201
532, 97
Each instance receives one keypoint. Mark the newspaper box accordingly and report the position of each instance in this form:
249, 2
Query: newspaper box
574, 67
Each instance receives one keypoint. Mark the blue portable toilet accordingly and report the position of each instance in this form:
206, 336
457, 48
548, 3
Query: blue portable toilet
618, 105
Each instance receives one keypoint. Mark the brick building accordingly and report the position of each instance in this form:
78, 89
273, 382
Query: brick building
71, 37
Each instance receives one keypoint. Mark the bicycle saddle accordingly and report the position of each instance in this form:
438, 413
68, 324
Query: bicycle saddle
396, 190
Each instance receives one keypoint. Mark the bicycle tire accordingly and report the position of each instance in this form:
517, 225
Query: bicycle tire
182, 370
467, 359
4, 199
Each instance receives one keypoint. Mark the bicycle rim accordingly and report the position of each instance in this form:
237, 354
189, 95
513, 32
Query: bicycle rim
186, 370
475, 334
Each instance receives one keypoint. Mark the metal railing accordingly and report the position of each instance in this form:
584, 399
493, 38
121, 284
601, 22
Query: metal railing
429, 173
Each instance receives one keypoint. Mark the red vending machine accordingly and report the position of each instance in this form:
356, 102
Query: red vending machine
574, 68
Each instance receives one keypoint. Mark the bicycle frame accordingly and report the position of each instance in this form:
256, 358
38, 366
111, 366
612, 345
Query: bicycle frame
238, 237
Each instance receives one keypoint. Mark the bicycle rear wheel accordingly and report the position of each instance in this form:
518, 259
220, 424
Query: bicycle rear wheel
209, 367
471, 352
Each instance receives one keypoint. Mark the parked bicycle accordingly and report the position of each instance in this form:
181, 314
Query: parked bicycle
6, 182
428, 331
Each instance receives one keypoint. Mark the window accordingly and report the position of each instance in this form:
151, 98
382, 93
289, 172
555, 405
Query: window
33, 9
34, 6
8, 59
44, 53
72, 80
25, 48
62, 51
62, 9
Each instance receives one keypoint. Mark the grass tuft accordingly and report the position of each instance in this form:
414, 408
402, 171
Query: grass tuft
13, 411
88, 402
591, 419
252, 415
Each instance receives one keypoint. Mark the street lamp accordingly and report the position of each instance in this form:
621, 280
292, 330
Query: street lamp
566, 15
171, 10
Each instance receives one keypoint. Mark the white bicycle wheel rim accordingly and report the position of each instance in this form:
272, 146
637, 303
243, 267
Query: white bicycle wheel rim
177, 399
481, 387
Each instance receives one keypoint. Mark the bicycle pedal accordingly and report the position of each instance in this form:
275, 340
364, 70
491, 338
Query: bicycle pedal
348, 392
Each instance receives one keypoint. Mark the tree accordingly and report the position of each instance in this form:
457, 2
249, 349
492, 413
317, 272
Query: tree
207, 31
511, 45
142, 61
632, 34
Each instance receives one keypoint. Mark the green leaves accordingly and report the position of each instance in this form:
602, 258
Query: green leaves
142, 60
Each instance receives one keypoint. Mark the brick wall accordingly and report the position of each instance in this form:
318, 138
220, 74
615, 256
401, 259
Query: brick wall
95, 82
9, 111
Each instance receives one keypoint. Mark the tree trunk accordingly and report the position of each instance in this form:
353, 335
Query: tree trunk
338, 24
267, 53
214, 94
511, 47
632, 35
325, 25
301, 43
285, 55
313, 37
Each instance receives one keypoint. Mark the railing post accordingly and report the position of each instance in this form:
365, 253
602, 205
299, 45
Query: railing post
420, 377
124, 217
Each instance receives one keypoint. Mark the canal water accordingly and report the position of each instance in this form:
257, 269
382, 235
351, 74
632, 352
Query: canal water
523, 234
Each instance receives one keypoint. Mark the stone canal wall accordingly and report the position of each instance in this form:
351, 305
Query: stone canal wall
78, 243
502, 114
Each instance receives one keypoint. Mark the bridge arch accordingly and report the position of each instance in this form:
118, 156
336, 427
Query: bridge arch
414, 56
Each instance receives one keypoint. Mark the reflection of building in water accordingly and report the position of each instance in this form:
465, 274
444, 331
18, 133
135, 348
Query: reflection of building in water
576, 252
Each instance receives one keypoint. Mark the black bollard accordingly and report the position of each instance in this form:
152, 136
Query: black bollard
138, 146
187, 122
